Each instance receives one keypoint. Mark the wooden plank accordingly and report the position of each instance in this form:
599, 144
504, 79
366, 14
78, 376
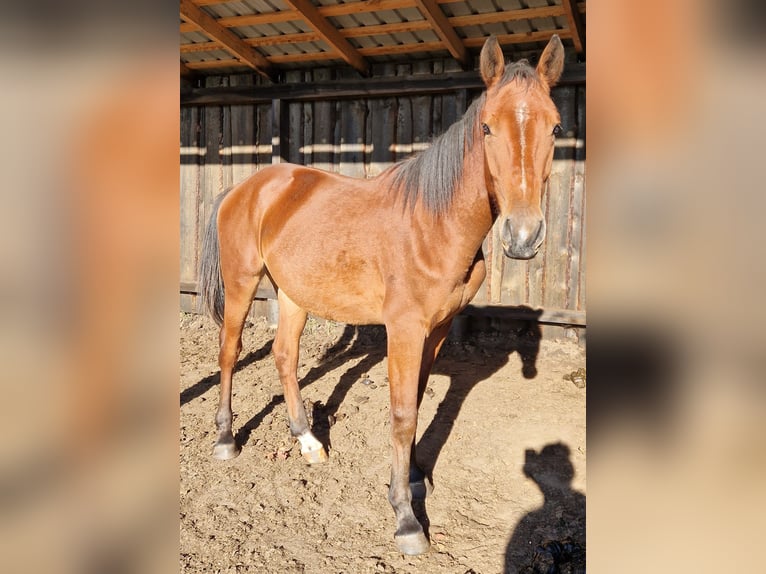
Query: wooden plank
422, 127
433, 13
243, 136
558, 208
264, 135
322, 145
279, 131
555, 270
390, 86
226, 38
578, 273
575, 24
226, 144
403, 139
495, 265
294, 121
330, 34
382, 130
189, 207
308, 125
514, 281
352, 144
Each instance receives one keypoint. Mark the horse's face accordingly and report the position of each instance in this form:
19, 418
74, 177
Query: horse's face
519, 123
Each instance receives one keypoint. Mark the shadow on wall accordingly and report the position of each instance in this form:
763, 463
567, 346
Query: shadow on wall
550, 539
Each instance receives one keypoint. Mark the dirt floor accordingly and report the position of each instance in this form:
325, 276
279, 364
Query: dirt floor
501, 429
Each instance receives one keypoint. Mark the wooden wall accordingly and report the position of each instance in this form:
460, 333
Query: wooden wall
223, 144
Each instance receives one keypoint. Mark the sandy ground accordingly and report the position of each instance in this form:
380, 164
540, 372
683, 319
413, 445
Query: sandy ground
501, 429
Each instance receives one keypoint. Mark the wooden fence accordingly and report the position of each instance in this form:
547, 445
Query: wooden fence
361, 136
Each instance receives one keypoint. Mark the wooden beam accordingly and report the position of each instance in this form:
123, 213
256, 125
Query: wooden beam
266, 289
506, 16
380, 87
573, 317
276, 40
433, 13
575, 24
570, 317
226, 38
185, 71
521, 38
253, 19
330, 34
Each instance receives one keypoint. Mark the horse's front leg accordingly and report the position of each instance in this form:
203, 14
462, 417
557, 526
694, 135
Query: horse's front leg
405, 352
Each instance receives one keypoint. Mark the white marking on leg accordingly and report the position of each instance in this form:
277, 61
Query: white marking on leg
309, 443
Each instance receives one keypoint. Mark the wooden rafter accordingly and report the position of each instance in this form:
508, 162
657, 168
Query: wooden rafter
226, 38
503, 39
377, 6
363, 31
337, 38
431, 11
574, 21
329, 34
520, 38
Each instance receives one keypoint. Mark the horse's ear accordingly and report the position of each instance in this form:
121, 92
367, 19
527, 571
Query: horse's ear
552, 61
491, 62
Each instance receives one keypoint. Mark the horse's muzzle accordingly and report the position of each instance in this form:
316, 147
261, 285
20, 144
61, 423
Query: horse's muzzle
521, 237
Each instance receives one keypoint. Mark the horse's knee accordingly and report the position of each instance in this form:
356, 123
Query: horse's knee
281, 356
403, 424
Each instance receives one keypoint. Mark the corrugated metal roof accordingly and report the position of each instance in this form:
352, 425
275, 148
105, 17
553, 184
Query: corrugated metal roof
301, 33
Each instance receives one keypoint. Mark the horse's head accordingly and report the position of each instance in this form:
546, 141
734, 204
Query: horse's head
519, 123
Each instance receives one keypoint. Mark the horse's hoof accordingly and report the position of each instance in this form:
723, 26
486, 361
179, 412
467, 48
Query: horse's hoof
315, 456
420, 489
226, 450
412, 544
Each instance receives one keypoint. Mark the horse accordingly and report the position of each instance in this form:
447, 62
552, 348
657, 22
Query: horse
402, 249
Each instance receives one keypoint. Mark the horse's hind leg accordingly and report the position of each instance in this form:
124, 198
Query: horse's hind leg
292, 320
239, 296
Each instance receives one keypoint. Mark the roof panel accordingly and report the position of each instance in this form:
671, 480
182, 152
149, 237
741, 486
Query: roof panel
473, 20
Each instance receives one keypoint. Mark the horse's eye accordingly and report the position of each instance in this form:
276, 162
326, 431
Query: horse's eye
485, 129
557, 130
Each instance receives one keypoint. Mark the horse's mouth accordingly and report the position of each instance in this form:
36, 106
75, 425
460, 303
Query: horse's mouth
523, 253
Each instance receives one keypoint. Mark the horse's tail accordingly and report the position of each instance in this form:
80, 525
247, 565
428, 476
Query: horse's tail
210, 282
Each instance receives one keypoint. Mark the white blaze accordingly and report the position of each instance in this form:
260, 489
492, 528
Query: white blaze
521, 119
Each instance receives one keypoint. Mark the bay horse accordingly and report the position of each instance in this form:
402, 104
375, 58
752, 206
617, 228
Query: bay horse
402, 249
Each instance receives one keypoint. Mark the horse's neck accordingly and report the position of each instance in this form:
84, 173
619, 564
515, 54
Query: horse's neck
471, 208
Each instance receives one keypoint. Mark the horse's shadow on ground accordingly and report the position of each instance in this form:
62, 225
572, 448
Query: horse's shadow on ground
469, 356
550, 539
366, 342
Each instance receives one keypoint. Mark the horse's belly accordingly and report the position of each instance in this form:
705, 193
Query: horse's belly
340, 293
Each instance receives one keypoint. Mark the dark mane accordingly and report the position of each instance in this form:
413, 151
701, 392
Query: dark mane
432, 175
